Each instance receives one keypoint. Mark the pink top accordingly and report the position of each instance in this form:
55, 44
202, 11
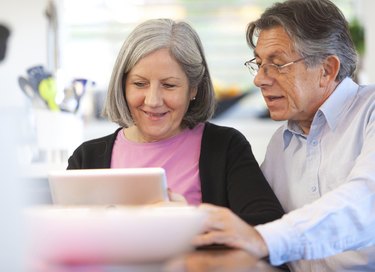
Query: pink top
179, 156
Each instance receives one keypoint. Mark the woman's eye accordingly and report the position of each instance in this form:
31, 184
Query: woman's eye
169, 86
139, 84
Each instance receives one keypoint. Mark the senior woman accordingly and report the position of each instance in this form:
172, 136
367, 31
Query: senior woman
161, 96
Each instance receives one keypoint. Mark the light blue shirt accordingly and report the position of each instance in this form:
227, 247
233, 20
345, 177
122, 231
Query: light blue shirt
325, 181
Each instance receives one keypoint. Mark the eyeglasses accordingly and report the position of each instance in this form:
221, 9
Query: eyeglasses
269, 68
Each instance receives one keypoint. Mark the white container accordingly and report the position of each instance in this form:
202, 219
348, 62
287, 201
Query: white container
57, 134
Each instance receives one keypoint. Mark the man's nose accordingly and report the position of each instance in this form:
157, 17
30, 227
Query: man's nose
262, 77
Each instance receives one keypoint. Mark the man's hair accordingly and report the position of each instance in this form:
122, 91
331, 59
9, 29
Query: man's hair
317, 28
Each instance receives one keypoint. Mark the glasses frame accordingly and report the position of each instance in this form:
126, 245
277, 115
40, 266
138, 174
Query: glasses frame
254, 67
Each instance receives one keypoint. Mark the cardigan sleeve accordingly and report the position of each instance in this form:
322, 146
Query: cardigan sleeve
231, 176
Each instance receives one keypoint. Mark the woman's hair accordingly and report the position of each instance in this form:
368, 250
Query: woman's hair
317, 28
185, 46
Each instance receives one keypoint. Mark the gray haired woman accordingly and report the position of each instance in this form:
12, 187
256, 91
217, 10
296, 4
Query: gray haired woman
161, 96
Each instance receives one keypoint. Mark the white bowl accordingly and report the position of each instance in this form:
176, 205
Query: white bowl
118, 235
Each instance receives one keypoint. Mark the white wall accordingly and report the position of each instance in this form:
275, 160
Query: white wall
26, 47
368, 7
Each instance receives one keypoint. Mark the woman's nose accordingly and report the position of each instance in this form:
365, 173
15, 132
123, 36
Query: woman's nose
153, 96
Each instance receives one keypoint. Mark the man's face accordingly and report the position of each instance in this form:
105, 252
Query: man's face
295, 93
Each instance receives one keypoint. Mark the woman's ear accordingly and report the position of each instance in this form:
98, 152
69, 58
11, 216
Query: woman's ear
330, 70
193, 93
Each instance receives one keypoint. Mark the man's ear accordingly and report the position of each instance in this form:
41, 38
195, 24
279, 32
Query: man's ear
330, 70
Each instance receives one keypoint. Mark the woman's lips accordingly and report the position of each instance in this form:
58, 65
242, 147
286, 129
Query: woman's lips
155, 115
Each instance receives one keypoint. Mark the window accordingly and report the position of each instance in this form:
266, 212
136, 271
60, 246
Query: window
92, 32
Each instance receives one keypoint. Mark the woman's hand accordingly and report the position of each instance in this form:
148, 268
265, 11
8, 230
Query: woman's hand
224, 227
176, 198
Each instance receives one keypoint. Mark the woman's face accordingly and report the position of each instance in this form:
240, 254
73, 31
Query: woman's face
158, 96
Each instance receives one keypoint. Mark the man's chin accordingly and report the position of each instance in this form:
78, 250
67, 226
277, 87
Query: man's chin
277, 116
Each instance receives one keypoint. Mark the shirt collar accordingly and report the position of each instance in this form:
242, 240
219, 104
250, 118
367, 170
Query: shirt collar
337, 102
290, 129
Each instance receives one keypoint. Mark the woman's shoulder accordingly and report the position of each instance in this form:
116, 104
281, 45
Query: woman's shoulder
225, 130
219, 134
107, 139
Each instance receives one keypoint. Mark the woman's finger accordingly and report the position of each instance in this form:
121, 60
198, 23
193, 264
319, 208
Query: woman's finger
175, 197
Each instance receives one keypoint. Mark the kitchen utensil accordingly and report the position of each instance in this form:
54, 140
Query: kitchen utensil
36, 74
31, 93
48, 91
69, 103
27, 87
73, 95
79, 89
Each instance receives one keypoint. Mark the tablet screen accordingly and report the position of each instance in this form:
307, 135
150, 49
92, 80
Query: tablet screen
125, 186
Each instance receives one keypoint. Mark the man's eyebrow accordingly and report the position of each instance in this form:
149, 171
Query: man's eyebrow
273, 55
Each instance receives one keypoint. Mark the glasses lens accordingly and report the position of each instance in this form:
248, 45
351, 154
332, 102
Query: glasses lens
253, 67
272, 69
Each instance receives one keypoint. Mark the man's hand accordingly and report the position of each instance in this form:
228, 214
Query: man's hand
224, 227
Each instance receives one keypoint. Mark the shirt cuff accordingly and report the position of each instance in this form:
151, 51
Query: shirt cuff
282, 242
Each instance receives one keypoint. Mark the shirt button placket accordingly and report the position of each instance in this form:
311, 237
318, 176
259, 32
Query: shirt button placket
313, 155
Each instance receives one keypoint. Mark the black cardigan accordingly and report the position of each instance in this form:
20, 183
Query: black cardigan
229, 173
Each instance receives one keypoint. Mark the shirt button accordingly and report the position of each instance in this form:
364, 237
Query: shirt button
314, 142
313, 189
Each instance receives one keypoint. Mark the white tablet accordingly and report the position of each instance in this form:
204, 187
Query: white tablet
125, 186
